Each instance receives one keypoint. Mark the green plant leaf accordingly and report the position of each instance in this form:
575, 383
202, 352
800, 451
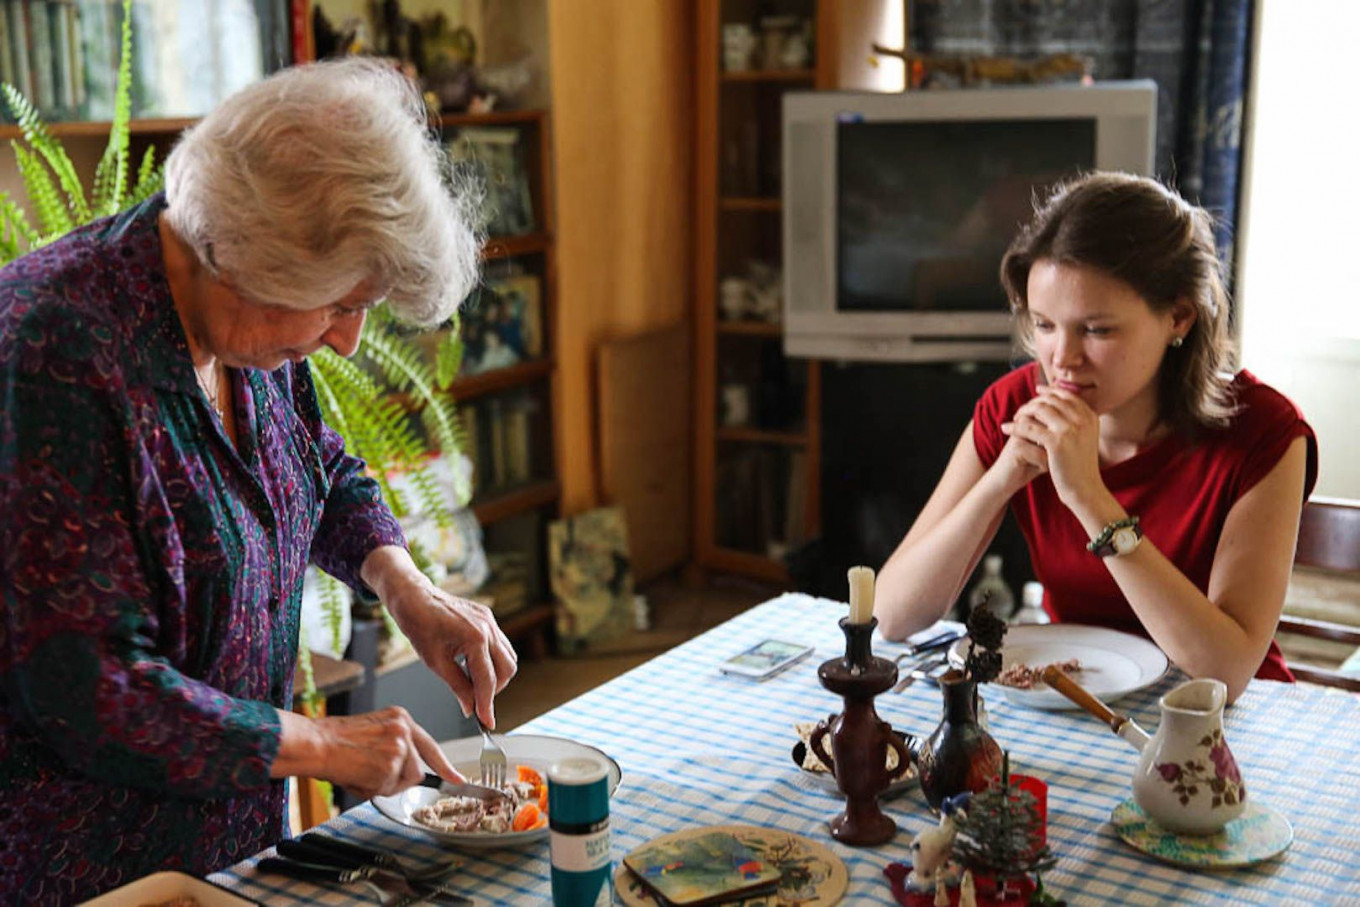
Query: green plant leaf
54, 220
150, 179
40, 140
448, 359
14, 226
110, 175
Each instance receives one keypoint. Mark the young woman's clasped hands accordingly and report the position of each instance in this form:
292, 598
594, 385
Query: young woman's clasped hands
1056, 433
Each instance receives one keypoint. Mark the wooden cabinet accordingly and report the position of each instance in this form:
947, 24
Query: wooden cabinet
757, 455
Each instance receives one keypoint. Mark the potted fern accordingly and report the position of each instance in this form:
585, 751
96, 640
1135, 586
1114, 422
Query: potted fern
390, 403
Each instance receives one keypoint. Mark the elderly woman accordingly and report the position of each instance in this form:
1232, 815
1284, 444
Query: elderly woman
166, 477
1157, 493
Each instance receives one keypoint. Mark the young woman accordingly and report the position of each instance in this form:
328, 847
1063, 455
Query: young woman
1157, 494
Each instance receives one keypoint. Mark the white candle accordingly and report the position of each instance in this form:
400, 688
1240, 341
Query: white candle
861, 595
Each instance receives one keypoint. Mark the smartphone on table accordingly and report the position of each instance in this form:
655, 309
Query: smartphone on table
765, 658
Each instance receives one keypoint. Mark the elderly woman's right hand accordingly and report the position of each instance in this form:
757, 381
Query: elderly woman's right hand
373, 754
458, 639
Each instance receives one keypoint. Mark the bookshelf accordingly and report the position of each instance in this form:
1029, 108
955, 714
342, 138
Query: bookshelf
757, 440
757, 412
505, 391
62, 55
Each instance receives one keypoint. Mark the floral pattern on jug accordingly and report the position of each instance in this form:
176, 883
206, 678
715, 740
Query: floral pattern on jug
1191, 778
1187, 780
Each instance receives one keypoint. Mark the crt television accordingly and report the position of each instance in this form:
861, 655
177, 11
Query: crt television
898, 208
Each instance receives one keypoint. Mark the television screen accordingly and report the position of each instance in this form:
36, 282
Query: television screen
926, 209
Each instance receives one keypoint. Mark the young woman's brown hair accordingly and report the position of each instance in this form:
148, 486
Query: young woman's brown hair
1137, 230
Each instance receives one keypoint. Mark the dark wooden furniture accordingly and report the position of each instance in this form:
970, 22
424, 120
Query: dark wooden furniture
1329, 539
757, 474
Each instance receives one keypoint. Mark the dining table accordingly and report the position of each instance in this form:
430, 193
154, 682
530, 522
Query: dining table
698, 747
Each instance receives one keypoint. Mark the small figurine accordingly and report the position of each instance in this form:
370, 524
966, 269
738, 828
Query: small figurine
930, 849
967, 890
941, 893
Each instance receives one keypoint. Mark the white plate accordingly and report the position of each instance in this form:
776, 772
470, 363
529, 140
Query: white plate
1113, 664
163, 886
520, 749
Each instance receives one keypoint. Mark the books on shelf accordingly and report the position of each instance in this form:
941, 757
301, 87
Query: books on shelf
63, 55
42, 54
500, 435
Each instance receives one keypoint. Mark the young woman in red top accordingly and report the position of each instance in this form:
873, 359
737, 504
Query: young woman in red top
1157, 494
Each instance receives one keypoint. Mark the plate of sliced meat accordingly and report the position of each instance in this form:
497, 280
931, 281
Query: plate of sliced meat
1107, 663
474, 823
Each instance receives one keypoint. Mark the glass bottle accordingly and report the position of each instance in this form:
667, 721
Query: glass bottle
1031, 605
991, 588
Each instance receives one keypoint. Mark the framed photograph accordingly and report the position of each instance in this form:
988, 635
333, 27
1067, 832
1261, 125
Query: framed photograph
504, 326
496, 156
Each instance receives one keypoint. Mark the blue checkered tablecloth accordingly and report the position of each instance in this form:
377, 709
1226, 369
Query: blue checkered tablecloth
698, 747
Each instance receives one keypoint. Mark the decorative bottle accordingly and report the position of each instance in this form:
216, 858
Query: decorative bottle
1031, 605
992, 590
959, 755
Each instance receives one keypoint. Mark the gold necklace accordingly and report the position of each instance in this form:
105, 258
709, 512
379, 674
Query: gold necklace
213, 394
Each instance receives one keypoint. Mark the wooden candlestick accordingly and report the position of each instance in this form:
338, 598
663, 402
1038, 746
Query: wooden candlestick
859, 738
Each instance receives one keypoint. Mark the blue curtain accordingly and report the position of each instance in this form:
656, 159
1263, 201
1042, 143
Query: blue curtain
1197, 51
1202, 85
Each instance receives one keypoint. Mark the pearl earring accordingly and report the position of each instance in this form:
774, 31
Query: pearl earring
1177, 342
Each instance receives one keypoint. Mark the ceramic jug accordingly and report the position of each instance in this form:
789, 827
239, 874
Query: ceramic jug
1187, 780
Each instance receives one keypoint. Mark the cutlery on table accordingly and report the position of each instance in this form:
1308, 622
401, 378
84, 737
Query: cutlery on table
468, 789
932, 644
387, 888
492, 760
361, 855
923, 671
327, 863
1055, 678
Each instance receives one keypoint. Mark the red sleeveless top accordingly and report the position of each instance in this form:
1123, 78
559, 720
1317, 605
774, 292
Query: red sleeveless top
1181, 490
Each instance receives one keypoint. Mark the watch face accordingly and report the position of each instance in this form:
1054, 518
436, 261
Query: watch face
1124, 540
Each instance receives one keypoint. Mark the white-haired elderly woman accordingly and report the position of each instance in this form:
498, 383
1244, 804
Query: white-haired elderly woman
166, 477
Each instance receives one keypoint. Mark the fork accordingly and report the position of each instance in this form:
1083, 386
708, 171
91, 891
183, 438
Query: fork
389, 888
492, 760
924, 670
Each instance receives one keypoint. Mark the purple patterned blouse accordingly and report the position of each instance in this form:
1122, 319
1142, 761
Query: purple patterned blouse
152, 574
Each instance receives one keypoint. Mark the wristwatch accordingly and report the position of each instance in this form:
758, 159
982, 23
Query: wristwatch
1117, 538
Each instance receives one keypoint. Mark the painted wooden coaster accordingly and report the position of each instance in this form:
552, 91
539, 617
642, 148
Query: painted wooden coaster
810, 874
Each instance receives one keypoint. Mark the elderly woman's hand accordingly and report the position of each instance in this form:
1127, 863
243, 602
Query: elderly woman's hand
373, 754
443, 627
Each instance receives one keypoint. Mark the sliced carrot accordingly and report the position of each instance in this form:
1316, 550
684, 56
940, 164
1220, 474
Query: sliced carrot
528, 773
525, 817
543, 799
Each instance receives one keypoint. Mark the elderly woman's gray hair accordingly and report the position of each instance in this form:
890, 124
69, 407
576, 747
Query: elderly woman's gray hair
300, 187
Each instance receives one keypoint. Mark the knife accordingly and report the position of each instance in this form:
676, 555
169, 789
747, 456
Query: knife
346, 853
466, 789
934, 643
356, 852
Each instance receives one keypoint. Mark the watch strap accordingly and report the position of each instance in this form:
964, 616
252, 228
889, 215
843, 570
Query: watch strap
1103, 544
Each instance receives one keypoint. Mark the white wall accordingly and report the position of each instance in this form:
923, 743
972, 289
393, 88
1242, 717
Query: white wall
1298, 292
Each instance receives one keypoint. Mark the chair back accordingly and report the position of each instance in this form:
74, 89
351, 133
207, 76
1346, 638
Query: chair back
1329, 538
1329, 535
